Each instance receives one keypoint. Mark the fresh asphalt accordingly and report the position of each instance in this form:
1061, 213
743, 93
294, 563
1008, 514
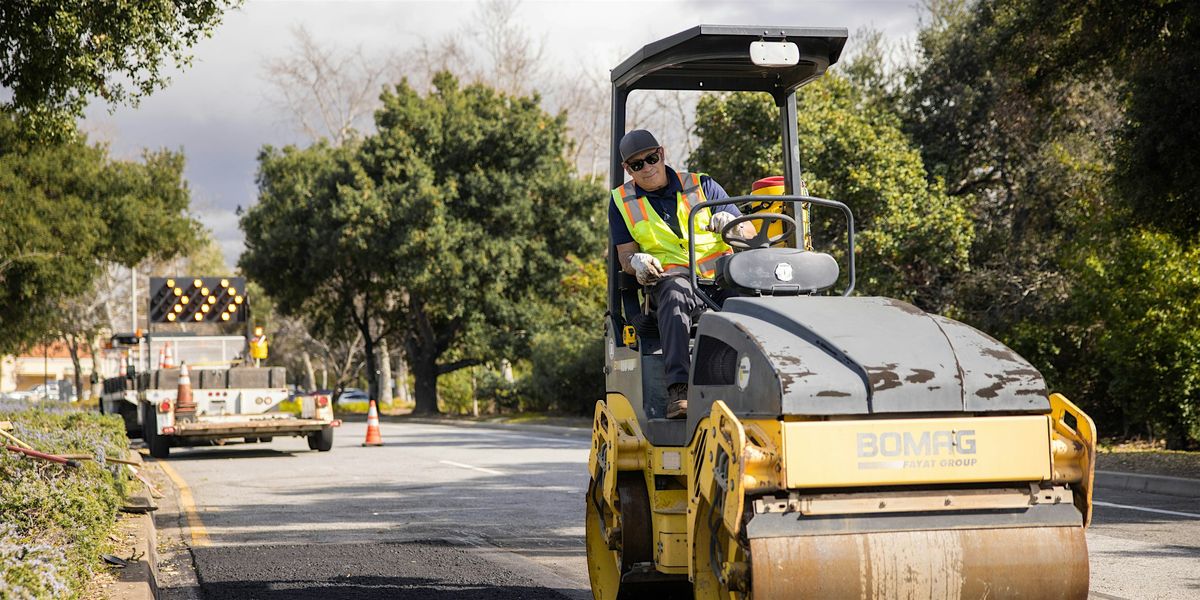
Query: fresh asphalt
446, 511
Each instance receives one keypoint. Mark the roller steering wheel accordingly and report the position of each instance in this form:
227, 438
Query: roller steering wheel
761, 239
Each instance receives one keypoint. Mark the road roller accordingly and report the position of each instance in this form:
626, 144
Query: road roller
836, 445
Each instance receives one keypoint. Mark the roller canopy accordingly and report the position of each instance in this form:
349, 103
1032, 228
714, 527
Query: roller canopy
848, 356
717, 58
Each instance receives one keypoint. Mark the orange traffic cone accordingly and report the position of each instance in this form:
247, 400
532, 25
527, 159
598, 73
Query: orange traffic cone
373, 437
183, 398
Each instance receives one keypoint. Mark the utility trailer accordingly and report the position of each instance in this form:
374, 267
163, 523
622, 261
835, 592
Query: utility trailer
225, 394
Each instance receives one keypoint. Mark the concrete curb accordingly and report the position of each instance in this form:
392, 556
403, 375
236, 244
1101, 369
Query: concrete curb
1154, 484
560, 430
139, 580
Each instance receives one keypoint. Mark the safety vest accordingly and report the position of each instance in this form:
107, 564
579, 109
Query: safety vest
657, 239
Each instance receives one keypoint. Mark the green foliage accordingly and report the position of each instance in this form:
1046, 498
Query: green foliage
1069, 128
445, 227
913, 238
1137, 308
57, 54
1150, 52
56, 521
568, 352
67, 207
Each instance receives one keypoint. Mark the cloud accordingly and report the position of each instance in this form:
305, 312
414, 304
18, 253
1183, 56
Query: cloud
217, 110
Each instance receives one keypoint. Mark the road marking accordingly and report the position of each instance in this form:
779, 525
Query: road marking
195, 525
480, 469
1153, 510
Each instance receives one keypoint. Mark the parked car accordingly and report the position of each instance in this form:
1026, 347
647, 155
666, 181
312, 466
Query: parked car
353, 395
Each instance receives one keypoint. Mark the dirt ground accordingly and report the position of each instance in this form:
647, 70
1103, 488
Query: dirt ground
1149, 460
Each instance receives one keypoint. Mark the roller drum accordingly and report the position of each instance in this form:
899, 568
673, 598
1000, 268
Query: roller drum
1018, 562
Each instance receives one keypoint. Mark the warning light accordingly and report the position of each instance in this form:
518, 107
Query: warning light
186, 296
225, 316
199, 316
171, 317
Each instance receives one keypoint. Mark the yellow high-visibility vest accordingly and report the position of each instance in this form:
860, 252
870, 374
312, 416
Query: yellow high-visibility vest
657, 239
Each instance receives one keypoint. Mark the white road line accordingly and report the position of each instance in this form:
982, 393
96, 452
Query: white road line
1153, 510
473, 468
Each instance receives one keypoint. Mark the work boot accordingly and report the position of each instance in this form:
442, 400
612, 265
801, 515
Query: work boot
677, 396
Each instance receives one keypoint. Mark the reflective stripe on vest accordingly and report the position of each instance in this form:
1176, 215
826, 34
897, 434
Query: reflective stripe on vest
655, 237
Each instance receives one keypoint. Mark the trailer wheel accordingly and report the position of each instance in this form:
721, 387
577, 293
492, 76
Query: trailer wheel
321, 441
160, 446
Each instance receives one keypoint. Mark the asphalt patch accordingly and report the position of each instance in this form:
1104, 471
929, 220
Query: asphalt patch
426, 570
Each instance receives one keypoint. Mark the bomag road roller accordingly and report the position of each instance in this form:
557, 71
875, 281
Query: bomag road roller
835, 445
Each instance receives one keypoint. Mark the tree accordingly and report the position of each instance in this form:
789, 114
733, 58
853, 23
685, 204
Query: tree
327, 92
67, 209
54, 55
1150, 52
913, 238
438, 231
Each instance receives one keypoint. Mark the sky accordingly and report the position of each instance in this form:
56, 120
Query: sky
219, 112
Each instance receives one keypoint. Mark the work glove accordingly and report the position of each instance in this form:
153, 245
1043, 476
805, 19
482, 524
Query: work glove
719, 220
647, 268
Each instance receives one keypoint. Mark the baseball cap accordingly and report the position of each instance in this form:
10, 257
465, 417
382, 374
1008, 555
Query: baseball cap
636, 141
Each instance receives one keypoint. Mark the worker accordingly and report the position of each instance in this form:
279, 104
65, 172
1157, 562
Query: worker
646, 219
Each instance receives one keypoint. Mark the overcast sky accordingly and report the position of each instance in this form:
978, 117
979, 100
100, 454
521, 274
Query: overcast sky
217, 111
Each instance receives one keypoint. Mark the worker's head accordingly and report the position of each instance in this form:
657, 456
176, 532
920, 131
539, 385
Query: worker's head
644, 159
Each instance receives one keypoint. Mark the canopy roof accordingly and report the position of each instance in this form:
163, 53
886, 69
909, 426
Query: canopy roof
717, 58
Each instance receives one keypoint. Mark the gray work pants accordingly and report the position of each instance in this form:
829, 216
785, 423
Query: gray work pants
676, 308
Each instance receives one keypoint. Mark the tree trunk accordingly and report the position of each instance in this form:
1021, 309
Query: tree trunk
425, 374
73, 347
402, 380
385, 373
369, 344
310, 382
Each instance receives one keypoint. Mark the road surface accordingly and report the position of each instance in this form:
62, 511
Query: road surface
471, 512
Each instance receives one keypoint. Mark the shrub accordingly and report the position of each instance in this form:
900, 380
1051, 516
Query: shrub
55, 521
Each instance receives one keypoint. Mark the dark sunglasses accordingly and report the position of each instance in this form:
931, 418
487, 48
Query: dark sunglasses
649, 159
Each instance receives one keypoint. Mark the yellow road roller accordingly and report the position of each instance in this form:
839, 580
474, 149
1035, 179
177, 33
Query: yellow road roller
835, 446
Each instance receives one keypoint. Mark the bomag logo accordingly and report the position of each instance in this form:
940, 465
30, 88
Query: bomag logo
907, 449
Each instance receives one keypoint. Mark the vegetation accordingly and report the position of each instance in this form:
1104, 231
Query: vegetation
55, 521
57, 54
440, 231
67, 209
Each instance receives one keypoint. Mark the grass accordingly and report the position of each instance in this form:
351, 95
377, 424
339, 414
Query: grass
55, 521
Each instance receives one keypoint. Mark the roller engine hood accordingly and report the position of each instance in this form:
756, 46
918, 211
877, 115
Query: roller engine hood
816, 355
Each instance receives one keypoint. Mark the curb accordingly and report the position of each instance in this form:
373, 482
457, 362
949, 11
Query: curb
1154, 484
139, 580
561, 430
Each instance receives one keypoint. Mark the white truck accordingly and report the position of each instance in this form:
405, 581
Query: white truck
229, 400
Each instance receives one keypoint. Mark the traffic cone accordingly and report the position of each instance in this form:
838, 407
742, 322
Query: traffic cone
168, 356
162, 357
183, 398
373, 437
